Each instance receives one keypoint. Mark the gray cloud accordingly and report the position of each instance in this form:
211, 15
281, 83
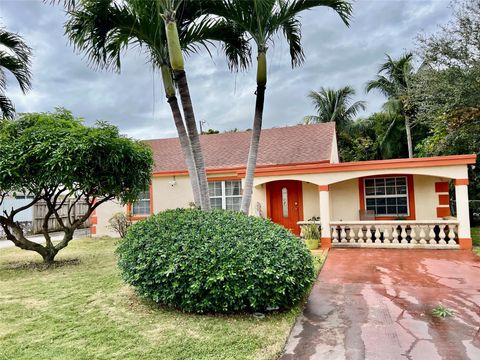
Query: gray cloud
133, 100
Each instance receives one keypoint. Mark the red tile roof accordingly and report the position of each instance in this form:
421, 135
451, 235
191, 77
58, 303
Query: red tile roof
278, 146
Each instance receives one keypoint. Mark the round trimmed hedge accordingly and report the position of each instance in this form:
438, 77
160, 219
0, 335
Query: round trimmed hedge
217, 261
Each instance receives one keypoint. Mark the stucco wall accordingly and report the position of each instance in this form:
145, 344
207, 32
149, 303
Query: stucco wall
327, 178
104, 212
345, 198
344, 201
426, 200
311, 201
259, 201
171, 193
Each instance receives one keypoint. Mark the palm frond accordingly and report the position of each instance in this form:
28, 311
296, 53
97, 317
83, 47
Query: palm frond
311, 119
15, 58
7, 110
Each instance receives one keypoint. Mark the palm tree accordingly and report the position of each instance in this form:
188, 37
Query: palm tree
334, 105
14, 58
261, 20
103, 29
393, 81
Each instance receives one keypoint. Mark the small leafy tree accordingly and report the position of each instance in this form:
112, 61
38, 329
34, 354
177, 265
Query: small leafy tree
56, 158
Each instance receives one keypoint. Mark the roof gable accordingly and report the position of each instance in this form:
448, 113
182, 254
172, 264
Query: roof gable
278, 146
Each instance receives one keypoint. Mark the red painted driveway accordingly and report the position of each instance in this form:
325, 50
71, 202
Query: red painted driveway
376, 304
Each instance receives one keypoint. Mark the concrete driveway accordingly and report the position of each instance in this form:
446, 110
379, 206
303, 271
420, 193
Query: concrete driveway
377, 303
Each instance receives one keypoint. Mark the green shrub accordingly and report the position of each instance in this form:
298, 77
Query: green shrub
218, 261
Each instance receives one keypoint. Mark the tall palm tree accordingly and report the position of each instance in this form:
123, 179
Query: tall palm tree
15, 57
261, 21
393, 81
103, 29
334, 105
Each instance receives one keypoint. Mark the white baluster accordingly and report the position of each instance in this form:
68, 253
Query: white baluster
386, 235
351, 235
431, 236
413, 235
377, 236
442, 235
451, 235
343, 235
422, 236
369, 235
395, 235
334, 235
403, 234
360, 235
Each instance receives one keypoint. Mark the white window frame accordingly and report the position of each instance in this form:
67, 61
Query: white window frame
146, 199
224, 195
406, 195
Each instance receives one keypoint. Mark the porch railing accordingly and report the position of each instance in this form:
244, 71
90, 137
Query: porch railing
438, 233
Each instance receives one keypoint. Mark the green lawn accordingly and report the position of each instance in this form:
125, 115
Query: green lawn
476, 236
83, 310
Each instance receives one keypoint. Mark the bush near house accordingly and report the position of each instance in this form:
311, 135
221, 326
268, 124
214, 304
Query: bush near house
216, 261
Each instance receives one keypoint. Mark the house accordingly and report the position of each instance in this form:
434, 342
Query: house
383, 203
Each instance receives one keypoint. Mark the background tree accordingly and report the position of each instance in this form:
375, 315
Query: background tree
334, 105
55, 158
447, 92
261, 21
394, 81
15, 57
103, 29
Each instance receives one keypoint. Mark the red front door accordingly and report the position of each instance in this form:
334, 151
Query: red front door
285, 203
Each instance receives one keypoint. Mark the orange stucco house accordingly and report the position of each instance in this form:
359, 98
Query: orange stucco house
299, 179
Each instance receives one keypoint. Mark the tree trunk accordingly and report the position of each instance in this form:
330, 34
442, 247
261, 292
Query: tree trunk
256, 131
191, 125
49, 256
176, 61
409, 136
182, 133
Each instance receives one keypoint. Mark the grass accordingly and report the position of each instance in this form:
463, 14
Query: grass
475, 236
81, 309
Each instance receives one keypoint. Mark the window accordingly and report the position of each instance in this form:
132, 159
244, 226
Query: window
225, 194
387, 196
142, 205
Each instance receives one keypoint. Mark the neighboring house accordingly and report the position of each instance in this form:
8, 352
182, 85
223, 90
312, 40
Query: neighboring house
15, 201
384, 203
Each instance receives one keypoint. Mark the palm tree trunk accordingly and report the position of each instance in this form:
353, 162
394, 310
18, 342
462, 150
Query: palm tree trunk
192, 130
176, 61
182, 133
256, 131
408, 130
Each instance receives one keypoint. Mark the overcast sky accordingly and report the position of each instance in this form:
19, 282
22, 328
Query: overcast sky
133, 100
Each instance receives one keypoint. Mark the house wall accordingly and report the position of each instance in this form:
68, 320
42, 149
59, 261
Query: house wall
104, 212
426, 199
344, 200
311, 201
258, 206
171, 192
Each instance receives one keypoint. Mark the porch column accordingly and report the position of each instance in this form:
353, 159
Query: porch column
463, 216
324, 196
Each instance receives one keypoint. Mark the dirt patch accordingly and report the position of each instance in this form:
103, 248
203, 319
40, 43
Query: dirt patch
39, 266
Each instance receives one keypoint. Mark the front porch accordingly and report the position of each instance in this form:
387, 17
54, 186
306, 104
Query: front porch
373, 205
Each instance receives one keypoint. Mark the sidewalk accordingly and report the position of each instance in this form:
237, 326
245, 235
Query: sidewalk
56, 236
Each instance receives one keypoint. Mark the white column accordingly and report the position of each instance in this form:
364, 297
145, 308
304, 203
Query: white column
463, 216
324, 196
